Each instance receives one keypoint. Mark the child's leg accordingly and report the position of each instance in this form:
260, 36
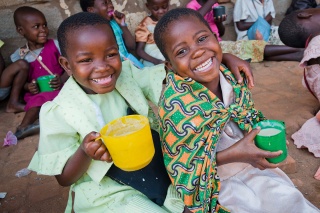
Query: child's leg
282, 53
27, 126
15, 76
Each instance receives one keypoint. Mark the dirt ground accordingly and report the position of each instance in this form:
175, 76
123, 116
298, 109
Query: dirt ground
278, 93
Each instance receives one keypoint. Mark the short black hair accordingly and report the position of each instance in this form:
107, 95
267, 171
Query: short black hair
292, 32
76, 22
84, 4
20, 12
173, 15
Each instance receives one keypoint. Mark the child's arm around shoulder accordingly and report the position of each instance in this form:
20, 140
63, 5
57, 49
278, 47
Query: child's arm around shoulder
237, 65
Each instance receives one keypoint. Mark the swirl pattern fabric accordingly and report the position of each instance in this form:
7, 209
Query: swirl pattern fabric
192, 119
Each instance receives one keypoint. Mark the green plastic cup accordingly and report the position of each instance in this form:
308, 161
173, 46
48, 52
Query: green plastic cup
272, 137
44, 83
219, 11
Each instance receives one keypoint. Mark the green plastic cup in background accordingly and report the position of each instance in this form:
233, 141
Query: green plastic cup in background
44, 83
272, 137
219, 11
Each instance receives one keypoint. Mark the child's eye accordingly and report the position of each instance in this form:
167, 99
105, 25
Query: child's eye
165, 6
85, 60
155, 9
202, 38
112, 54
181, 52
36, 27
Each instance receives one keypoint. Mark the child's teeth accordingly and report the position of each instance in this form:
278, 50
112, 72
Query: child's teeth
204, 65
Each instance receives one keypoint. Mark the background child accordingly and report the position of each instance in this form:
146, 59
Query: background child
246, 13
256, 50
12, 80
301, 29
146, 48
117, 19
203, 110
105, 89
42, 54
205, 8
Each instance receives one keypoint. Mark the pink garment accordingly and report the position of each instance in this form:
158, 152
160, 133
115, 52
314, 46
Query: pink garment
193, 4
308, 136
49, 55
312, 71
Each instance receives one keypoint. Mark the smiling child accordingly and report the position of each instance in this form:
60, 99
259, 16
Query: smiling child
205, 119
99, 90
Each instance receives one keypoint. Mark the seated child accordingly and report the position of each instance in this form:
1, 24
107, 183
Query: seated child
120, 29
302, 4
247, 14
205, 8
300, 29
144, 35
146, 48
42, 55
256, 50
105, 89
205, 119
12, 80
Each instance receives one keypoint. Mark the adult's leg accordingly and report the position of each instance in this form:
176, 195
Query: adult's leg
27, 126
282, 53
15, 76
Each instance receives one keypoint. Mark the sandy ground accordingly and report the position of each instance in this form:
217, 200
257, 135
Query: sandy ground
278, 93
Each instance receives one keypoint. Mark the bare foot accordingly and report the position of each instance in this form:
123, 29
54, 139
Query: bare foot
317, 175
15, 108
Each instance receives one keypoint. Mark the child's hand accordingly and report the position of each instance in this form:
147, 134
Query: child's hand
33, 87
237, 65
55, 83
120, 18
95, 148
247, 151
220, 19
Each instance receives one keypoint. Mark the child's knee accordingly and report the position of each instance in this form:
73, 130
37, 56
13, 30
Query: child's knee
22, 64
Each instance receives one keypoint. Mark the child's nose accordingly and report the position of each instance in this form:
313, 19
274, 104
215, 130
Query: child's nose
198, 53
101, 66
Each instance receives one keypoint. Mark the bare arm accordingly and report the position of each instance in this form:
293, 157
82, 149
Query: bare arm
237, 65
79, 163
269, 18
146, 56
127, 37
207, 7
243, 26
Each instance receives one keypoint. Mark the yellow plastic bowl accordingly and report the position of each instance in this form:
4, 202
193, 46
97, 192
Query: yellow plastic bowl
129, 142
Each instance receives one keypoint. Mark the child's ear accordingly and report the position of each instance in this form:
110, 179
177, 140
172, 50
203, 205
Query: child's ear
20, 30
63, 61
168, 66
90, 9
304, 15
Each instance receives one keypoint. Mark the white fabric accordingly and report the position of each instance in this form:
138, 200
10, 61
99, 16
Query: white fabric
245, 189
245, 10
